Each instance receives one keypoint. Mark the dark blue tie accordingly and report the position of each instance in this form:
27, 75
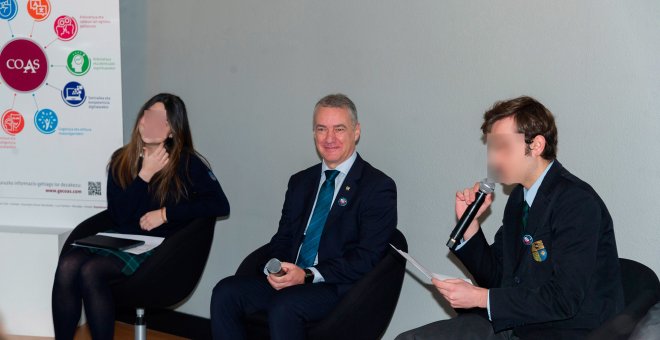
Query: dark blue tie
310, 244
525, 214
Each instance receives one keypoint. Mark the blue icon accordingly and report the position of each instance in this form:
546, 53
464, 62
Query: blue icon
73, 93
46, 121
8, 9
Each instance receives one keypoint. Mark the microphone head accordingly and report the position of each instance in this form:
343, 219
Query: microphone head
274, 266
486, 186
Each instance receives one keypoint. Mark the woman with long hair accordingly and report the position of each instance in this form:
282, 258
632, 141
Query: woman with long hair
157, 183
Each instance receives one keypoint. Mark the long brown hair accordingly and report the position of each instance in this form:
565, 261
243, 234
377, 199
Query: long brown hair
166, 184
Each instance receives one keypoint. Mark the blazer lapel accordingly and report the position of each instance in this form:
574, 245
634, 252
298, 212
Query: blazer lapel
541, 205
312, 186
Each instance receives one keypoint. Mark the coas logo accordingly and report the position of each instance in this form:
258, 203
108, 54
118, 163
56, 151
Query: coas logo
23, 65
27, 66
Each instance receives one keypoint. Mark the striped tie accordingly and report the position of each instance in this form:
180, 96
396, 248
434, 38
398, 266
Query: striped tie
310, 244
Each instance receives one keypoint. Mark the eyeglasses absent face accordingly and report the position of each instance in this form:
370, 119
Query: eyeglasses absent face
508, 152
335, 134
154, 127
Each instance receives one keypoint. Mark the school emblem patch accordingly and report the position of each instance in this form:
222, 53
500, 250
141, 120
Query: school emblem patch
539, 253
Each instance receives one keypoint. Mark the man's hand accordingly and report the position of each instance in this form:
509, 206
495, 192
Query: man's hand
151, 220
461, 294
293, 275
463, 200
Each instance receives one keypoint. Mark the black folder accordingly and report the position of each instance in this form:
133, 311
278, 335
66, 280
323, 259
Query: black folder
107, 242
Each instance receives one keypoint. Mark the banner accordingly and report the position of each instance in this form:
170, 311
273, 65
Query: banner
60, 98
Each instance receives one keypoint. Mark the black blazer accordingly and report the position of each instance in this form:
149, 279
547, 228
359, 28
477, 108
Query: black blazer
577, 286
355, 236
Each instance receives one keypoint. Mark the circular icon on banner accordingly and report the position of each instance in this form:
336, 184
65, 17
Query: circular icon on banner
65, 27
23, 65
39, 10
46, 121
8, 9
78, 63
12, 122
73, 93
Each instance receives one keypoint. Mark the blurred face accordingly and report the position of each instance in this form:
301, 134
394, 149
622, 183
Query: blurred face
334, 134
154, 128
507, 154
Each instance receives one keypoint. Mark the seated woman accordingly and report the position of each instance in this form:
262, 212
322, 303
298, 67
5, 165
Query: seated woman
157, 184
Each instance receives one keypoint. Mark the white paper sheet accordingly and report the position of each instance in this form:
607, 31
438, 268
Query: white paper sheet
425, 271
150, 242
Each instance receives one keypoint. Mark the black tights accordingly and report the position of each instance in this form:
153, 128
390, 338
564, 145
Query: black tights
85, 278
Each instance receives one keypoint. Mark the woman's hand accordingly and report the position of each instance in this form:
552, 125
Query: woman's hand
152, 220
153, 161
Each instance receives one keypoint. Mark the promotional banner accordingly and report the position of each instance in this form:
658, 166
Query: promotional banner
60, 98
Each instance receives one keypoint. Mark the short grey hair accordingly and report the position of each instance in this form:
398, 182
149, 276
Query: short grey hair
338, 100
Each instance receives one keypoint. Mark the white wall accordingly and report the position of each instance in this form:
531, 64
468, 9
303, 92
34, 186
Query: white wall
421, 73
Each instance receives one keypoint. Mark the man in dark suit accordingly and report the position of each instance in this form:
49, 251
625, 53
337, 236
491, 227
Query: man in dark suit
553, 270
336, 223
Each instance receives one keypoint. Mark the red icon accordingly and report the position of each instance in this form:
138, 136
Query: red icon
65, 27
12, 122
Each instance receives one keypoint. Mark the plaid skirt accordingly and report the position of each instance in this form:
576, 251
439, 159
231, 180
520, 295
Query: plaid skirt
131, 261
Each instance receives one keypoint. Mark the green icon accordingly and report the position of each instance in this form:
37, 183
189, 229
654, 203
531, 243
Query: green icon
78, 63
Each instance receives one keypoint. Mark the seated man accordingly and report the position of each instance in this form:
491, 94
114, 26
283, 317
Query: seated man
553, 270
336, 223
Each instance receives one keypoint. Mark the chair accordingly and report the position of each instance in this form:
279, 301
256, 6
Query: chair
363, 313
641, 290
168, 276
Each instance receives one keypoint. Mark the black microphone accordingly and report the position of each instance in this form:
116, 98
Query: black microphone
485, 188
274, 266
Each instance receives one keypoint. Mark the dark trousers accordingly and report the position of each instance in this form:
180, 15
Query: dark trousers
288, 309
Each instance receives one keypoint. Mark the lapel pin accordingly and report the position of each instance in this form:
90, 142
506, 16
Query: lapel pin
348, 188
527, 240
342, 201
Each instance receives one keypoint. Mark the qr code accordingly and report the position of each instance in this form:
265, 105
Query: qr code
94, 188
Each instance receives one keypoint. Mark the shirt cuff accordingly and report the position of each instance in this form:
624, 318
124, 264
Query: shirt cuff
488, 306
461, 244
317, 275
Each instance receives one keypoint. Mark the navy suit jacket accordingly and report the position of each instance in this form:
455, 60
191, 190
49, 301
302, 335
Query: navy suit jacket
355, 236
577, 286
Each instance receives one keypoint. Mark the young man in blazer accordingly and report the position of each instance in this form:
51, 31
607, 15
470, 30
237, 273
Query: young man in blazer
552, 271
336, 223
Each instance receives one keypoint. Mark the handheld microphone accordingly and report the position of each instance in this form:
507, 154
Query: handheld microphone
274, 267
485, 188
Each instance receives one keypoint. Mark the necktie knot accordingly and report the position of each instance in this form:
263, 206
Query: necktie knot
330, 175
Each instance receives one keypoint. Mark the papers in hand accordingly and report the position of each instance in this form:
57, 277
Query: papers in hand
423, 269
150, 242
